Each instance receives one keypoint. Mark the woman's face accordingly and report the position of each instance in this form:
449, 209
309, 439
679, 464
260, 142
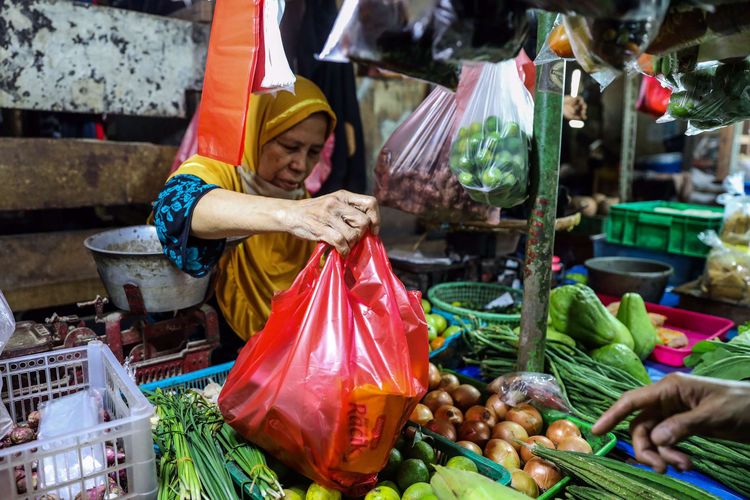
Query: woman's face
287, 159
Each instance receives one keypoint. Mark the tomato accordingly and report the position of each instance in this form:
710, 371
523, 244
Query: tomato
560, 43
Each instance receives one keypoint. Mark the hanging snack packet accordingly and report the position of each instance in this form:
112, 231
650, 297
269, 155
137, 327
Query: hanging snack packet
490, 153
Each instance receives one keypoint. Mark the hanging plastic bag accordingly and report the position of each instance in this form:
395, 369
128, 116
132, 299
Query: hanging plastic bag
735, 229
7, 327
272, 72
412, 172
230, 69
727, 274
489, 154
595, 8
529, 387
712, 96
653, 98
395, 35
556, 45
343, 360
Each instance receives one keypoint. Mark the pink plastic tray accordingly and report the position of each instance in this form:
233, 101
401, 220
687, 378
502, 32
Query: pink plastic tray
696, 326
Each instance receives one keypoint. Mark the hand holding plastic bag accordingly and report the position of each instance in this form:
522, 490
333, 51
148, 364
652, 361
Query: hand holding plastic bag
490, 154
330, 381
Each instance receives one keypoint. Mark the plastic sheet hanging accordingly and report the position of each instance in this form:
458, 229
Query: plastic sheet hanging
412, 172
425, 39
7, 327
330, 381
272, 72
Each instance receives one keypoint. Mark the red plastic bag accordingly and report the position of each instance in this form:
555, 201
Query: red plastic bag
230, 67
653, 98
334, 375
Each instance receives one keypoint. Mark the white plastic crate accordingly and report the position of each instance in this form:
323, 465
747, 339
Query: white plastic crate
31, 380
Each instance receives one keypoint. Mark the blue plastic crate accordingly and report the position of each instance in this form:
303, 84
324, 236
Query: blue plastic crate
193, 380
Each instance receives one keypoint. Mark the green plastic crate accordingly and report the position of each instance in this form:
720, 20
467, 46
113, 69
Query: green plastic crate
601, 445
644, 224
446, 449
469, 292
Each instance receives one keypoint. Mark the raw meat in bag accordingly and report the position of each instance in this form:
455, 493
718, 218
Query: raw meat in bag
334, 375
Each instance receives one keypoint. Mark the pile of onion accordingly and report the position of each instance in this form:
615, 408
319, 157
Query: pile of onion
501, 433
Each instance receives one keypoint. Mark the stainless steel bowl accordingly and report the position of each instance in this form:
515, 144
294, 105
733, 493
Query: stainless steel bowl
134, 255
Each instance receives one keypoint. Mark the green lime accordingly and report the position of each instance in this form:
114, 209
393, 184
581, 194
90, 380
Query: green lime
422, 451
465, 164
462, 463
440, 323
503, 157
430, 497
484, 158
394, 462
492, 177
382, 493
430, 318
511, 129
456, 304
451, 330
463, 132
391, 485
432, 332
460, 146
514, 144
466, 179
418, 491
475, 128
293, 494
475, 141
318, 492
490, 124
426, 306
412, 471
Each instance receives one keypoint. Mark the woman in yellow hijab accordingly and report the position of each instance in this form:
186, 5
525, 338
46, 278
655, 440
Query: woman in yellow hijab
264, 202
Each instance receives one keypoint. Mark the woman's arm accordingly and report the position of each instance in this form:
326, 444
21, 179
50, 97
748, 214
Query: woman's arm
339, 219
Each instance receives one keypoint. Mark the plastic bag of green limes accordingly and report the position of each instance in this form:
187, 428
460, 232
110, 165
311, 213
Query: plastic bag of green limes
490, 154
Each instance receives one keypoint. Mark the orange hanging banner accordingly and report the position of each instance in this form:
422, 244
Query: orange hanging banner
228, 82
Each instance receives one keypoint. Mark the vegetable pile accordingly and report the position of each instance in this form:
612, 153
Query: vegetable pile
196, 446
489, 427
438, 329
591, 387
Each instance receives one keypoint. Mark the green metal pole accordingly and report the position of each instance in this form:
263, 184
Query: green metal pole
550, 79
629, 126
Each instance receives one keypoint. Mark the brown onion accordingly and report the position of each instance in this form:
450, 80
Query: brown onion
448, 382
497, 406
434, 377
574, 443
442, 427
521, 481
421, 415
561, 429
435, 399
527, 417
526, 454
450, 413
475, 431
503, 453
544, 474
510, 432
465, 396
470, 446
481, 413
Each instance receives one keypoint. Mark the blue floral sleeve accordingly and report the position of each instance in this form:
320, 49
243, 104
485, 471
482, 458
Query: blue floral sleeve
173, 214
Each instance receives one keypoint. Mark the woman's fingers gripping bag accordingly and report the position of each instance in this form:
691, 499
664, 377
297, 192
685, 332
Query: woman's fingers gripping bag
490, 153
337, 370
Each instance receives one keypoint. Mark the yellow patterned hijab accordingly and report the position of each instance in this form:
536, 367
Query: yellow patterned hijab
262, 265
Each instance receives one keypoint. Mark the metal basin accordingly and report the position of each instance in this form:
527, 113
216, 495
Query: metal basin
616, 276
134, 255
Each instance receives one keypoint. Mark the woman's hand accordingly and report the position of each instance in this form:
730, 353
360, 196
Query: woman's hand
339, 219
676, 407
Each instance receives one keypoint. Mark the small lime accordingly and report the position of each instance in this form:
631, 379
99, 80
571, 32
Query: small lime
451, 330
511, 129
382, 493
417, 491
422, 451
440, 323
484, 158
492, 177
319, 492
394, 462
462, 463
464, 164
466, 179
456, 304
391, 485
490, 123
426, 306
460, 146
412, 471
475, 128
293, 494
432, 332
463, 132
475, 141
